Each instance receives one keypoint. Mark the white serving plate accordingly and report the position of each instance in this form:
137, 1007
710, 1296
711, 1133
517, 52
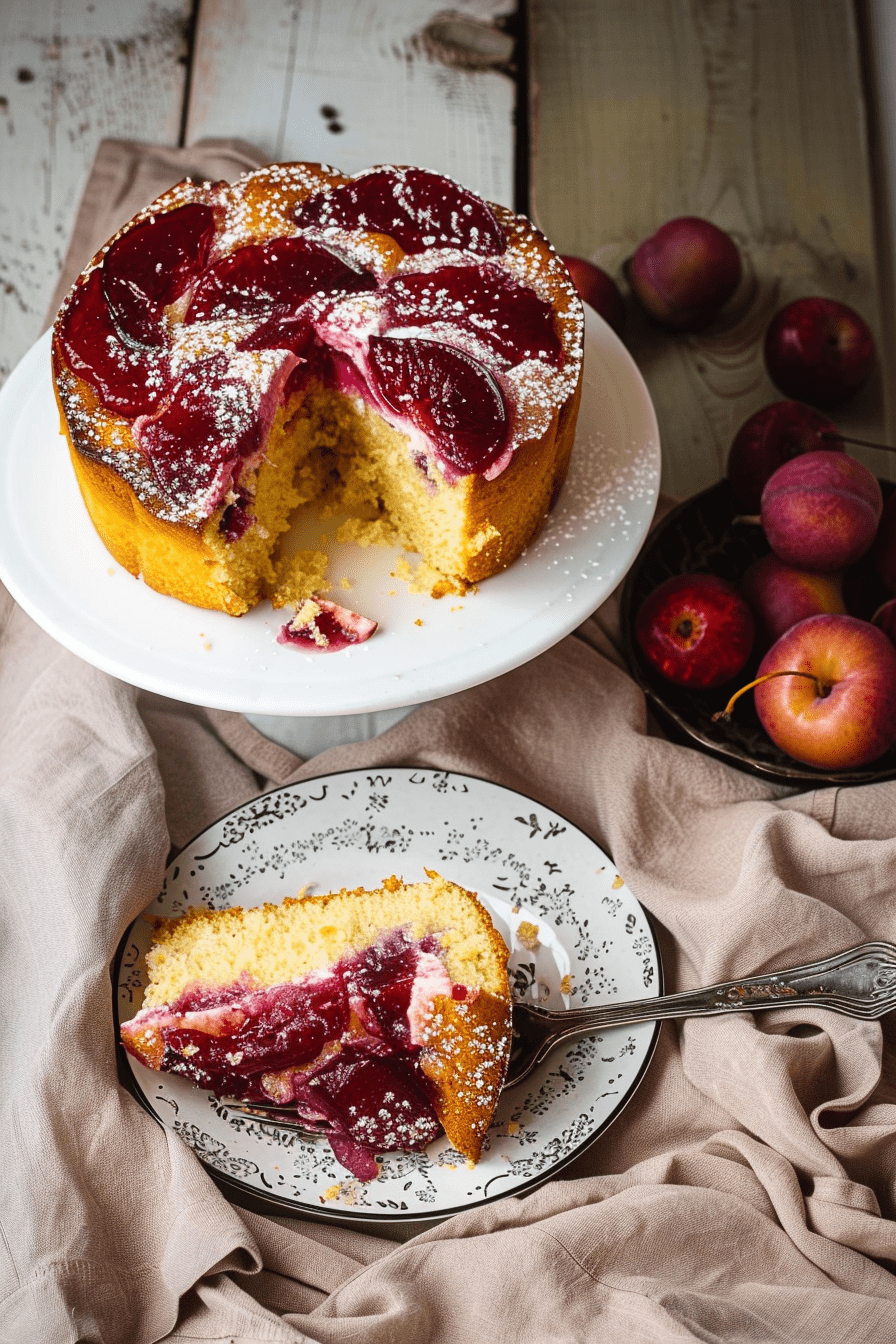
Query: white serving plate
58, 570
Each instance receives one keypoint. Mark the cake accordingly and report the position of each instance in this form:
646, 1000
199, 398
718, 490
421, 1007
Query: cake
388, 346
380, 1017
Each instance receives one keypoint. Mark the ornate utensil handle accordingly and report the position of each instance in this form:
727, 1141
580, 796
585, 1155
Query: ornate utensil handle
860, 982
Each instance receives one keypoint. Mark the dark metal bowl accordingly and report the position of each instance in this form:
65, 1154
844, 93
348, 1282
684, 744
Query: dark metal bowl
702, 536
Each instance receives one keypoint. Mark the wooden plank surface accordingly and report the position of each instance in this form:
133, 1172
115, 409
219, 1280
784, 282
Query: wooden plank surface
751, 115
354, 84
70, 74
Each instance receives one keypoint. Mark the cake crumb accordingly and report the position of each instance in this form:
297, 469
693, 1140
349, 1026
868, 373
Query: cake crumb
345, 583
618, 882
418, 621
513, 1127
527, 932
566, 985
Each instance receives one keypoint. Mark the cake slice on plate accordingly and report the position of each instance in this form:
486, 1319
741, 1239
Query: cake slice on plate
379, 1017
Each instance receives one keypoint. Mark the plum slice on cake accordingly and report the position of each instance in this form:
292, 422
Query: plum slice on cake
380, 1018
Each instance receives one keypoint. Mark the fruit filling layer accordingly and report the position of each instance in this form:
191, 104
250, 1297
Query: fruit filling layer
341, 1048
200, 333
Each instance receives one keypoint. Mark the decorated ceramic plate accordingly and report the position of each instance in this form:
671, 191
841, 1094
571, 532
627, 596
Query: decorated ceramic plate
527, 864
56, 567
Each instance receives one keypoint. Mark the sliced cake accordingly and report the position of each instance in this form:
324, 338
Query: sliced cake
379, 1017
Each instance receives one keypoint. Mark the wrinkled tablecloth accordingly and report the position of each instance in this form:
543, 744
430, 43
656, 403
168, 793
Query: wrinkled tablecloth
748, 1191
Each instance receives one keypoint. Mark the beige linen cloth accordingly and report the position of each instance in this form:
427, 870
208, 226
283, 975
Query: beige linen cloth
746, 1194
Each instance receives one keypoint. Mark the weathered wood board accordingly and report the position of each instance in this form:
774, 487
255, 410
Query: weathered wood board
363, 83
71, 74
751, 115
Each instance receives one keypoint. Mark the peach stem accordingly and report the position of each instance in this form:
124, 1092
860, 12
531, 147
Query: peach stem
787, 672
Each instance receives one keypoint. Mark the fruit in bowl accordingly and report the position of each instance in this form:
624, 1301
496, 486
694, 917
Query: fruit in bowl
780, 596
598, 290
768, 439
696, 630
685, 273
821, 510
819, 350
826, 692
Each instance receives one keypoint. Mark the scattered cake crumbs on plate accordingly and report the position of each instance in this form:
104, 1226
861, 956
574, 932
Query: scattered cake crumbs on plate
527, 933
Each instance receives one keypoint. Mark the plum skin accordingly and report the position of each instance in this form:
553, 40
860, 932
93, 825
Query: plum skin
769, 438
819, 350
780, 595
685, 273
854, 721
821, 510
696, 630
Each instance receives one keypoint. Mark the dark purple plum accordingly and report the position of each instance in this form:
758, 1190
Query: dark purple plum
198, 440
484, 300
152, 264
270, 280
130, 379
447, 394
419, 209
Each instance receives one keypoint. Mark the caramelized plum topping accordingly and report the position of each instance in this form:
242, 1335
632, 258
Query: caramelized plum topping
283, 1027
446, 394
152, 264
211, 423
290, 331
352, 1087
417, 208
131, 379
484, 300
269, 280
383, 976
334, 1048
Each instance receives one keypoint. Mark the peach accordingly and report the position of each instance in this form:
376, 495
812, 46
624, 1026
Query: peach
830, 701
820, 511
780, 595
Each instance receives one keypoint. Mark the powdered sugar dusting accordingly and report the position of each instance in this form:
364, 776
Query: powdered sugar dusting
448, 227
